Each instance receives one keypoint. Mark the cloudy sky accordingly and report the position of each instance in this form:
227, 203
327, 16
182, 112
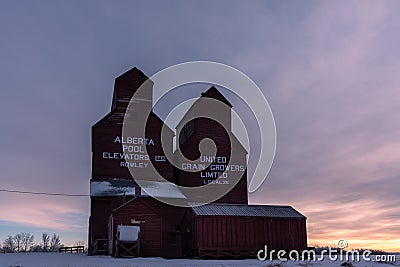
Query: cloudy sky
330, 71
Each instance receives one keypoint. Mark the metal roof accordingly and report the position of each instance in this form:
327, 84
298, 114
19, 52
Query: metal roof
247, 211
120, 187
112, 187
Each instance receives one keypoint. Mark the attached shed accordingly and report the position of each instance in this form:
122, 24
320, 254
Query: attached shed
233, 231
160, 226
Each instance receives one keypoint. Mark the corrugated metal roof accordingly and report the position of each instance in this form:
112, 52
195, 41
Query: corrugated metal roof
247, 211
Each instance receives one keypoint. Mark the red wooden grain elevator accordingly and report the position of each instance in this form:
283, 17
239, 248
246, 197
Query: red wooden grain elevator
226, 228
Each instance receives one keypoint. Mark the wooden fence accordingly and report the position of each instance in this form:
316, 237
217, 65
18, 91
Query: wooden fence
77, 249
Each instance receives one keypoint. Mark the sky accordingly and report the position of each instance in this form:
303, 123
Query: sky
329, 69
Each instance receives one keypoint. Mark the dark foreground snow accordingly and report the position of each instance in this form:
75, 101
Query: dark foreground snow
81, 260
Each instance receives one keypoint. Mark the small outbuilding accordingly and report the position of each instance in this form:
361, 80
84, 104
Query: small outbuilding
236, 231
159, 226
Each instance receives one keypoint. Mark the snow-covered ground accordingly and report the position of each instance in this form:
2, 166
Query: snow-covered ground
81, 260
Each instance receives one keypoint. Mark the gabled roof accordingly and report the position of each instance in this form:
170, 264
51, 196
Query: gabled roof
126, 85
130, 202
131, 77
271, 211
216, 94
153, 204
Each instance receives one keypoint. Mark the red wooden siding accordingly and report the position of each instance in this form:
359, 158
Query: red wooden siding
248, 233
241, 233
150, 230
161, 231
